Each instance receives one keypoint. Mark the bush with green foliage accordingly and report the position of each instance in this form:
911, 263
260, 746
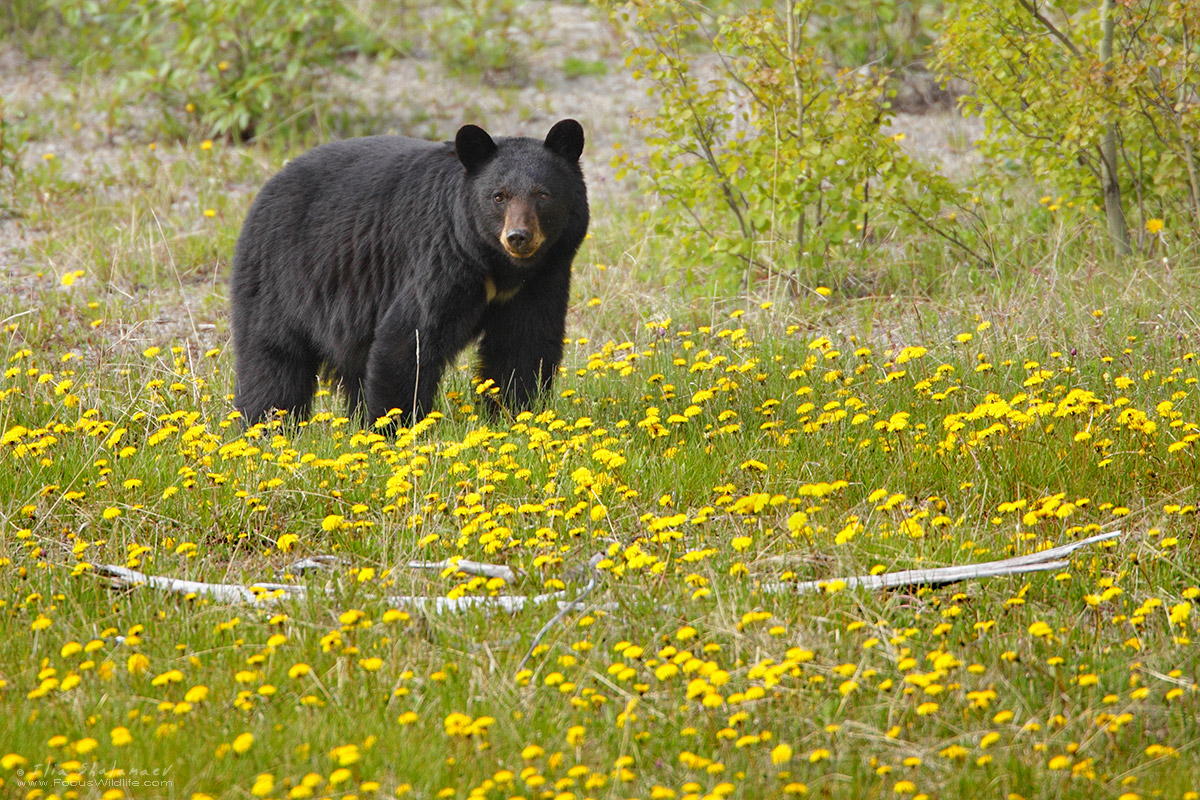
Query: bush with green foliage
895, 34
1048, 92
216, 67
18, 17
765, 155
481, 36
12, 146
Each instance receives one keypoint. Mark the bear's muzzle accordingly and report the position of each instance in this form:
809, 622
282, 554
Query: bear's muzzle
522, 236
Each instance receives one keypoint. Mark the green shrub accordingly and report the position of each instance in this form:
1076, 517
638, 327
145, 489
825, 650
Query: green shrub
580, 68
1048, 94
12, 147
487, 37
890, 33
229, 68
769, 161
21, 18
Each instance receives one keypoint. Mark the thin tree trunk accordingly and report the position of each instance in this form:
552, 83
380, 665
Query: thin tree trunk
795, 35
1193, 180
1118, 230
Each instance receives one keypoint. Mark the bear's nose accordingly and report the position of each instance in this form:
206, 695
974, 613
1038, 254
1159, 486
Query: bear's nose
518, 238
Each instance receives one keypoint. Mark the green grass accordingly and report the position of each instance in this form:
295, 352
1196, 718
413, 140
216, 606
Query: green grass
581, 68
925, 413
692, 514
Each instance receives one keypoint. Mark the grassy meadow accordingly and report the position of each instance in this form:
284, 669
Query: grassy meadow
703, 443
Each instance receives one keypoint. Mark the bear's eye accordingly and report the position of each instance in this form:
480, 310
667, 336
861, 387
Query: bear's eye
543, 195
499, 197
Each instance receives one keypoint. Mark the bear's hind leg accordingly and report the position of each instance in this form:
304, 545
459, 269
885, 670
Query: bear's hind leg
408, 357
275, 378
404, 372
353, 383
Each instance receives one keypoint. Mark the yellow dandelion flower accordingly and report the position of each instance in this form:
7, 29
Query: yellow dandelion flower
137, 664
243, 743
12, 761
263, 785
1040, 628
955, 752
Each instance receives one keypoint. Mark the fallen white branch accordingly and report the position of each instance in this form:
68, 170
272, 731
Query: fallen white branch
467, 567
1043, 560
563, 609
255, 594
267, 594
317, 562
448, 566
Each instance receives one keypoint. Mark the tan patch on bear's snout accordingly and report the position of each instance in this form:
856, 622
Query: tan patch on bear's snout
522, 216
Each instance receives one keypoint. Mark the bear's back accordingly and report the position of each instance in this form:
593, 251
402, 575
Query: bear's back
325, 202
354, 171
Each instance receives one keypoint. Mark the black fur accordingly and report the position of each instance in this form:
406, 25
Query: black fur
375, 257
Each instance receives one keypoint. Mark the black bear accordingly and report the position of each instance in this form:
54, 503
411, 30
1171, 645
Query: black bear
381, 258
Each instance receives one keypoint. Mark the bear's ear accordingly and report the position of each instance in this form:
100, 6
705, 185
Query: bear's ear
473, 146
566, 139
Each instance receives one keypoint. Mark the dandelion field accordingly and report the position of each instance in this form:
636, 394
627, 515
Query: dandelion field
701, 461
704, 447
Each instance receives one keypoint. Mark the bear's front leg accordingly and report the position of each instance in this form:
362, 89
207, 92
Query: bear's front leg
522, 343
410, 353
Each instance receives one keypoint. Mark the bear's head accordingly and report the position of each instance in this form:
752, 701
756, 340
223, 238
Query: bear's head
524, 194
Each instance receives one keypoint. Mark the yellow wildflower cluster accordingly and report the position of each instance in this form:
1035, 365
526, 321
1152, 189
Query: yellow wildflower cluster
692, 466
